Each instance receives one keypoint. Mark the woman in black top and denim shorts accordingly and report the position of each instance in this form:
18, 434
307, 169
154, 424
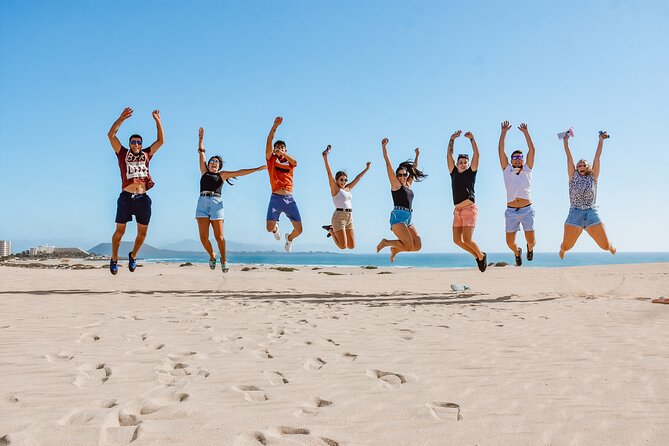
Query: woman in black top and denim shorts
210, 204
401, 180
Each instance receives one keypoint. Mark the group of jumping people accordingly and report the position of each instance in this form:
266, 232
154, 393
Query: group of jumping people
280, 165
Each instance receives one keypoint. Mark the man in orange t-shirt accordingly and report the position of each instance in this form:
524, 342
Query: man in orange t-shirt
280, 167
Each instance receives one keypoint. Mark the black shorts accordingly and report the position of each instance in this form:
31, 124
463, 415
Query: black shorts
129, 204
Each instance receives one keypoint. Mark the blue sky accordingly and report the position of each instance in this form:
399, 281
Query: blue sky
342, 73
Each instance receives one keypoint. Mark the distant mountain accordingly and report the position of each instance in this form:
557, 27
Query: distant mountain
145, 252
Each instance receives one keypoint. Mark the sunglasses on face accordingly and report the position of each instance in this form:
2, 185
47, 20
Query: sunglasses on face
135, 143
402, 174
517, 157
342, 179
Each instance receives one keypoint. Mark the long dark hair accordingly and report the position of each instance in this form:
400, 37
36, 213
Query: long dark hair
220, 167
414, 173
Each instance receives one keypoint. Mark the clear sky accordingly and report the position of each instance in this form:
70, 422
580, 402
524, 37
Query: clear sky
345, 73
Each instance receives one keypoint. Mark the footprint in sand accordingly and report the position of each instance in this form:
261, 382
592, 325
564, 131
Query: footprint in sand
314, 364
5, 326
350, 356
94, 414
276, 333
389, 379
330, 341
5, 441
262, 354
275, 378
406, 334
181, 356
310, 407
89, 375
88, 338
445, 411
147, 349
251, 393
305, 437
119, 429
251, 439
60, 356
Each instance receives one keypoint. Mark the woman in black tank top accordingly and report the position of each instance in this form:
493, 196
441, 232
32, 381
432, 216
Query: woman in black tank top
401, 180
210, 205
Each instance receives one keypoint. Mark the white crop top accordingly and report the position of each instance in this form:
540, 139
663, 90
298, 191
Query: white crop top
343, 199
517, 185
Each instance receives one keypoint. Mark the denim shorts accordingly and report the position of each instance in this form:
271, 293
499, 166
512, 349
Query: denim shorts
515, 217
400, 215
210, 207
129, 204
282, 204
583, 217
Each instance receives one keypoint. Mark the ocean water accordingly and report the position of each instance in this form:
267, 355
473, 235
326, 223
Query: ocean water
420, 260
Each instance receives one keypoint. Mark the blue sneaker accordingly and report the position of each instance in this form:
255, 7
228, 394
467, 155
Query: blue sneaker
113, 267
132, 263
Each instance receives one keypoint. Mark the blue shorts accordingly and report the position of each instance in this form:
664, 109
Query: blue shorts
129, 204
583, 217
515, 217
282, 203
210, 207
399, 215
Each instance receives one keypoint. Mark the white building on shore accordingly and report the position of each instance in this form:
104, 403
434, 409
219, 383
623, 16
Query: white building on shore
41, 249
5, 248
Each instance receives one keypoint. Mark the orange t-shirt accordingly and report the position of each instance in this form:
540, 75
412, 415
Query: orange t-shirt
280, 173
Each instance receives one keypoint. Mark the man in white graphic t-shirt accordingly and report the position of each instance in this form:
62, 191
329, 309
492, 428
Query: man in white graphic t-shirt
518, 179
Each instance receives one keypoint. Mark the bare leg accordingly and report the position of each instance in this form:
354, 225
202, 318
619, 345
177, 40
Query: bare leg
203, 228
217, 226
271, 225
297, 230
571, 234
116, 239
339, 238
457, 239
598, 234
403, 243
467, 233
511, 242
350, 239
139, 240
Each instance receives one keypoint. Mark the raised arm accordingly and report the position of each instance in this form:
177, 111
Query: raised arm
598, 154
355, 181
115, 143
334, 188
503, 159
475, 158
450, 161
201, 151
159, 127
394, 182
530, 145
570, 161
240, 173
415, 165
270, 138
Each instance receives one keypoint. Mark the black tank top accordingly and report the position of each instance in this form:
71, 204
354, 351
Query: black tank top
463, 185
402, 197
211, 182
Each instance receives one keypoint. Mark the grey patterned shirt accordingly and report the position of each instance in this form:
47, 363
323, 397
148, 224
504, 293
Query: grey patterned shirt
582, 190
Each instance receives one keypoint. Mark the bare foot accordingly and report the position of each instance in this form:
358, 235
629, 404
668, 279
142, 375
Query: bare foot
393, 253
562, 251
661, 300
382, 244
612, 250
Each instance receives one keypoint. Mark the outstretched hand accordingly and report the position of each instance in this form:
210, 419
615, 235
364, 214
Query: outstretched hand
327, 150
201, 133
603, 135
523, 128
277, 121
417, 152
456, 134
369, 163
384, 142
126, 113
156, 115
469, 136
506, 126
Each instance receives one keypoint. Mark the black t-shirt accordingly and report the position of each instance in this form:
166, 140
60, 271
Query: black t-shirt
402, 197
211, 182
463, 185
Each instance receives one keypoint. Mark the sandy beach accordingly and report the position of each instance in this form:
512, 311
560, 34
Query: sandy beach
173, 355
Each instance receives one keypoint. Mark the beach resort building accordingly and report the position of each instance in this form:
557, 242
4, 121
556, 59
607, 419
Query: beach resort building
41, 249
5, 248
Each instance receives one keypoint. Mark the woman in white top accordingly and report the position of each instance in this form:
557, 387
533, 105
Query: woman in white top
341, 229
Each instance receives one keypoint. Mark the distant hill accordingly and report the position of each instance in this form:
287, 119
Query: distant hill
146, 251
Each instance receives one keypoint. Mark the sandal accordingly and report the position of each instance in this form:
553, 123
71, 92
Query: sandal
519, 257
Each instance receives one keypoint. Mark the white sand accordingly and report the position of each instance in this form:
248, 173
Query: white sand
188, 356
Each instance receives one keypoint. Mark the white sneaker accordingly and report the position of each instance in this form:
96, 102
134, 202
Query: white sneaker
288, 244
277, 234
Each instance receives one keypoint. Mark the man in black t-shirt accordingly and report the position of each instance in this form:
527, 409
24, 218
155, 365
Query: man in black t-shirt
463, 178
